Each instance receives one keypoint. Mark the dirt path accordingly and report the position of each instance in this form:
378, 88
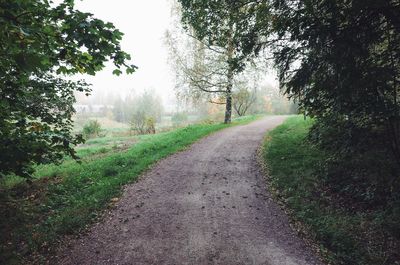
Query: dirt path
206, 205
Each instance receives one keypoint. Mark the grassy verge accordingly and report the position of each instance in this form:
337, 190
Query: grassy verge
343, 235
64, 199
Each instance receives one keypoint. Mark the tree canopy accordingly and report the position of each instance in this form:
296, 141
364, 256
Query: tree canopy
341, 60
42, 42
224, 23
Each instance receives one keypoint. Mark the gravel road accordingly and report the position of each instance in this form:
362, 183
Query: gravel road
205, 205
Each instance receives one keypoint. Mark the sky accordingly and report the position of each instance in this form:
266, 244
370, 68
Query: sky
144, 23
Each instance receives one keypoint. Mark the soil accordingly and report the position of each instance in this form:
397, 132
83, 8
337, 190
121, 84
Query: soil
206, 205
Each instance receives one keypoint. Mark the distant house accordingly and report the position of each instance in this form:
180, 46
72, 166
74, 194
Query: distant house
96, 108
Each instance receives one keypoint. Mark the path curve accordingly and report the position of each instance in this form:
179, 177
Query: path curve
205, 205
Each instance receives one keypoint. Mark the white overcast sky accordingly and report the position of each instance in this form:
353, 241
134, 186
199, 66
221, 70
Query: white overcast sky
144, 23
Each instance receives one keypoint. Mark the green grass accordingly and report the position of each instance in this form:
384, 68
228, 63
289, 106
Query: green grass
90, 150
64, 199
342, 235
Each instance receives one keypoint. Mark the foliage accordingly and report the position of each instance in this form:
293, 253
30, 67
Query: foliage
142, 124
346, 232
219, 23
360, 167
40, 42
92, 129
150, 125
341, 61
66, 198
201, 72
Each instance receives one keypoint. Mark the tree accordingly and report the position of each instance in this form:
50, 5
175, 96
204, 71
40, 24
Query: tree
138, 122
201, 73
247, 87
41, 43
242, 100
219, 25
340, 60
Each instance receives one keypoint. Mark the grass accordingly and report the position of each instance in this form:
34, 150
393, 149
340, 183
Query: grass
89, 151
64, 199
341, 235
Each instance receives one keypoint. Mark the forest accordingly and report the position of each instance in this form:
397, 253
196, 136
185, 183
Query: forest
332, 162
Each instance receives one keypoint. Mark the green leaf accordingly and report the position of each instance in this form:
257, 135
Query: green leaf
117, 72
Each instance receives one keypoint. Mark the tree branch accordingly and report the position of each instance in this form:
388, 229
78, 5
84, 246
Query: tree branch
218, 103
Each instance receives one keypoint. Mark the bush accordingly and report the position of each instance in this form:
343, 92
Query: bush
360, 162
150, 125
92, 129
141, 124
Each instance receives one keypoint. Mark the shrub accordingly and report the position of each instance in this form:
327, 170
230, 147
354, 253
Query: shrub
360, 162
92, 129
141, 124
150, 125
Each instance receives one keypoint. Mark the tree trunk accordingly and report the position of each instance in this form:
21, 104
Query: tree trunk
229, 76
228, 106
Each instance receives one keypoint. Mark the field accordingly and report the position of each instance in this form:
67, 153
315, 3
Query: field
63, 199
